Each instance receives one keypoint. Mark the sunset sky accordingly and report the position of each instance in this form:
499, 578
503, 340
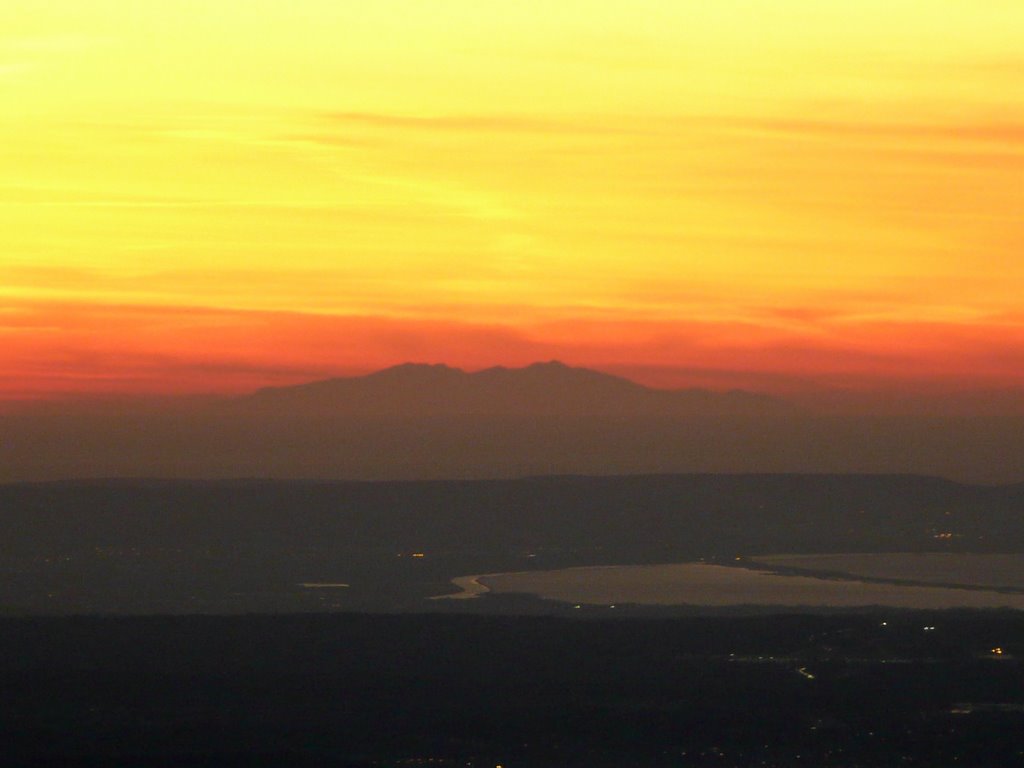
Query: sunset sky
217, 195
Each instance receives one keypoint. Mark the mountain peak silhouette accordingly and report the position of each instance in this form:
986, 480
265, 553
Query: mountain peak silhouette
415, 371
548, 388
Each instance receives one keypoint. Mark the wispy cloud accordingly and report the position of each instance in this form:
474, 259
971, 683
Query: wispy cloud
1005, 132
475, 123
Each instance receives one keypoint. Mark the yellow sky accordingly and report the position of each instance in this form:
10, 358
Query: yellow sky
813, 172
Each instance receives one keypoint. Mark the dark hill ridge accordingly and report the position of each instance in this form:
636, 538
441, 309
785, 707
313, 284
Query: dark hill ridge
415, 389
621, 518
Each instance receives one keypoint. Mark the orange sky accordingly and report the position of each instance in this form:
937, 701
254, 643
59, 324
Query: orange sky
212, 196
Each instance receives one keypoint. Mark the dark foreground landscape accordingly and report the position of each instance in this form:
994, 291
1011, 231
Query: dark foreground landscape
877, 689
261, 623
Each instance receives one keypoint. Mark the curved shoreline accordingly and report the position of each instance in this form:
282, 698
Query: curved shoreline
680, 584
470, 586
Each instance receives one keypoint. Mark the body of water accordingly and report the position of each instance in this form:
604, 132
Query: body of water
704, 584
976, 570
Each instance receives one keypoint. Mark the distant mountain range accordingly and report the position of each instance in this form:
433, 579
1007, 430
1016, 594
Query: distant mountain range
550, 388
417, 421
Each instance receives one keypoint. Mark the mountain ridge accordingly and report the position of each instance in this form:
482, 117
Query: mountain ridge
542, 388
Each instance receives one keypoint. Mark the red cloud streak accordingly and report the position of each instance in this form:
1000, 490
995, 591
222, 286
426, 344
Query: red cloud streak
53, 349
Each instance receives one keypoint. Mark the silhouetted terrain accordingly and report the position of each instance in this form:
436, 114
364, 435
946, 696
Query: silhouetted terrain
541, 389
870, 690
182, 547
425, 687
435, 422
